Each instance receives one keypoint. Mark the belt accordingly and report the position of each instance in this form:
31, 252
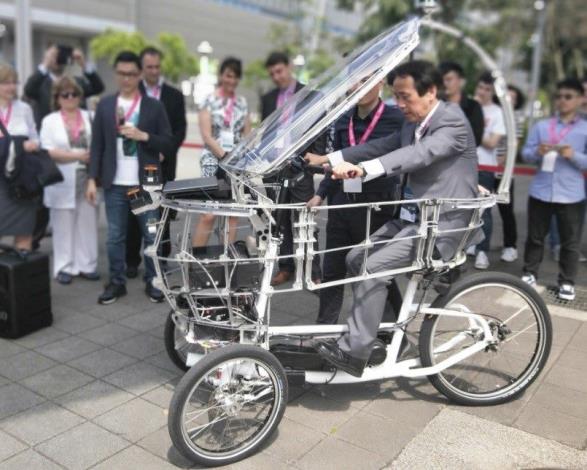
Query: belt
356, 198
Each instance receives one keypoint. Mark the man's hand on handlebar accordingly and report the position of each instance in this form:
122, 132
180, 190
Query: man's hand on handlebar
315, 160
346, 170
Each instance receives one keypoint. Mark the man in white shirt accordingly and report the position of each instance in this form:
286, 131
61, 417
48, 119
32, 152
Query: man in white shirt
129, 131
493, 133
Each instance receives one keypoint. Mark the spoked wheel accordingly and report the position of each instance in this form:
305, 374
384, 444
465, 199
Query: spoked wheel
175, 343
519, 319
227, 405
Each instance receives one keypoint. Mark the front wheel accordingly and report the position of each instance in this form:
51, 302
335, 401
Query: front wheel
518, 319
227, 405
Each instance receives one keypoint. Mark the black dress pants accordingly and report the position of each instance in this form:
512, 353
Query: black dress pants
346, 227
506, 211
568, 217
301, 191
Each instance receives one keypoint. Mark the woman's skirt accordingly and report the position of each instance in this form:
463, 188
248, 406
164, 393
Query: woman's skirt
16, 217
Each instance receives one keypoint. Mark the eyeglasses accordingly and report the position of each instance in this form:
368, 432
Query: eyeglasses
127, 74
565, 96
69, 94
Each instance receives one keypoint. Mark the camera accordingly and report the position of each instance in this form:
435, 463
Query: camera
64, 54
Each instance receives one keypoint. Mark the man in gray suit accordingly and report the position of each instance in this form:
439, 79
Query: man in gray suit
436, 148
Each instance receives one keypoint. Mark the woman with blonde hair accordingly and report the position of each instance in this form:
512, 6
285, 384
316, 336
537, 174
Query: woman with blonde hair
65, 134
17, 217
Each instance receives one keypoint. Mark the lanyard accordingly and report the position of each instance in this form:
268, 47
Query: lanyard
6, 117
136, 100
285, 95
554, 138
76, 128
154, 92
368, 132
228, 110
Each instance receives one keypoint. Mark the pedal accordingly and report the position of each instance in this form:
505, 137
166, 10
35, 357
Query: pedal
378, 353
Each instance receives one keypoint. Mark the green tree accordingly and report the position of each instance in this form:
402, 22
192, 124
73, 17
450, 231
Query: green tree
288, 39
177, 60
495, 24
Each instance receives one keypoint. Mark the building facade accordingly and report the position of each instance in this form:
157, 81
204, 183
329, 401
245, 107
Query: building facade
232, 27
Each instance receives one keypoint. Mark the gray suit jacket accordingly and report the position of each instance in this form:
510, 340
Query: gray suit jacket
442, 164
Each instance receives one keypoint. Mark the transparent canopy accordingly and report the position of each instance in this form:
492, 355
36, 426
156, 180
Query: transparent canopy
291, 128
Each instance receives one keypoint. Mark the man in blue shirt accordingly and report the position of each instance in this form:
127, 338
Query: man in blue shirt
370, 119
558, 145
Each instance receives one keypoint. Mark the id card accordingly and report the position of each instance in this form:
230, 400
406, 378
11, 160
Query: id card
226, 140
548, 161
408, 212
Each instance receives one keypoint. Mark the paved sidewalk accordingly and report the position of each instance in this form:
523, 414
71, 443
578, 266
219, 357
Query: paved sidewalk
92, 391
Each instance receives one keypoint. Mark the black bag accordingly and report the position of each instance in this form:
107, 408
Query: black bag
32, 170
25, 292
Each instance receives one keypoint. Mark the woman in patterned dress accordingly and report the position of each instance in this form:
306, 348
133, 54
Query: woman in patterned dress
224, 121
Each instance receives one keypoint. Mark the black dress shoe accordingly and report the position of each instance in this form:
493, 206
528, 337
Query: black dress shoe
330, 352
112, 293
64, 278
132, 272
93, 276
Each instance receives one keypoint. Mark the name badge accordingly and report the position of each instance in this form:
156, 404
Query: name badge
226, 140
408, 212
548, 161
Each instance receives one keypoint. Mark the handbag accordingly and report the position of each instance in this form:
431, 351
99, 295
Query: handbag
32, 171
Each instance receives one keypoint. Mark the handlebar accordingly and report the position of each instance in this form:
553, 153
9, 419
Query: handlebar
316, 170
299, 164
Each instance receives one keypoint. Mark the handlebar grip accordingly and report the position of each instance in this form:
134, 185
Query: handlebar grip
315, 169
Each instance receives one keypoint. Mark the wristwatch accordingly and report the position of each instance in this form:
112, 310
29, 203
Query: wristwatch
362, 167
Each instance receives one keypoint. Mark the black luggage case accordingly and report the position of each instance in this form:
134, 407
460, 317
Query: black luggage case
25, 293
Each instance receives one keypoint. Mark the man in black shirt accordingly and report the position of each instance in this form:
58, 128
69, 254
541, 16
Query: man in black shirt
154, 86
280, 70
453, 78
370, 119
38, 87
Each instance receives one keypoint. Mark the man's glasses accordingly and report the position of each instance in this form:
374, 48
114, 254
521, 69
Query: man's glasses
565, 96
127, 74
69, 94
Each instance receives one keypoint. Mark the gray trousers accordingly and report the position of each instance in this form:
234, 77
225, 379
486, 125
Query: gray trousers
369, 296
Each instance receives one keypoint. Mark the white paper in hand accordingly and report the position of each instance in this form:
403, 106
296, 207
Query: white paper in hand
548, 161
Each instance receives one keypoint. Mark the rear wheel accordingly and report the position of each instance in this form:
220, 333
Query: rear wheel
175, 343
227, 405
519, 319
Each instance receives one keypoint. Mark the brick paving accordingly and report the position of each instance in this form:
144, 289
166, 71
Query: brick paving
92, 391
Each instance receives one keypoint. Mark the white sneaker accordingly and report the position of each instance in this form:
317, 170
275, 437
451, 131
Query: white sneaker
529, 279
471, 250
566, 291
509, 255
481, 261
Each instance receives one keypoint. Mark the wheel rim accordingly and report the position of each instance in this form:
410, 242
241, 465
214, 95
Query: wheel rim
230, 408
504, 368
